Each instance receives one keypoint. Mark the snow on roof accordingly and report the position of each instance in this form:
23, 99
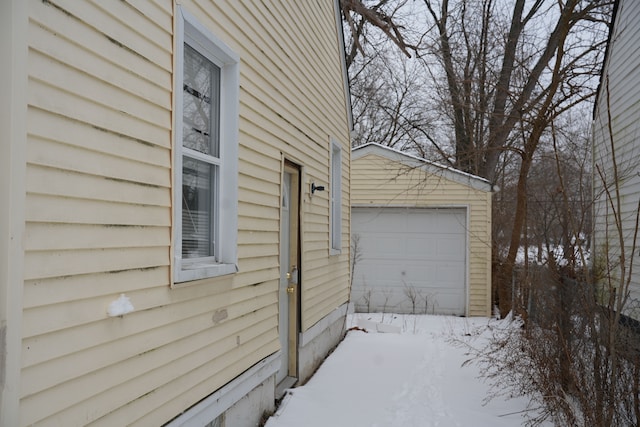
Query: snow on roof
452, 173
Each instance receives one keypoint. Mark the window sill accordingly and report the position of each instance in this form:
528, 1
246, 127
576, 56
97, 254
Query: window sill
190, 271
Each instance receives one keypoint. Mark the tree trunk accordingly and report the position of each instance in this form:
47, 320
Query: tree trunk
516, 237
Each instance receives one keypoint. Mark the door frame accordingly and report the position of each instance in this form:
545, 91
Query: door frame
293, 326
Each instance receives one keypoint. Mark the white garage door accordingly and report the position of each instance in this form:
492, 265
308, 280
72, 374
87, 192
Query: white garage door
409, 260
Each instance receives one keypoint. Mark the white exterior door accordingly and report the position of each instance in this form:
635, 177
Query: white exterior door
410, 260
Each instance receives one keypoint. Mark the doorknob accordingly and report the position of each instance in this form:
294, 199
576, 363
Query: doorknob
290, 289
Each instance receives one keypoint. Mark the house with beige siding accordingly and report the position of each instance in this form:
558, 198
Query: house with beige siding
616, 154
174, 208
421, 235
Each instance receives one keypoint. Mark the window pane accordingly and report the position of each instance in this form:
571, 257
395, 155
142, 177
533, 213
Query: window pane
198, 202
201, 103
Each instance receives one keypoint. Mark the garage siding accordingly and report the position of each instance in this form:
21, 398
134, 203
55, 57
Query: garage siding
386, 178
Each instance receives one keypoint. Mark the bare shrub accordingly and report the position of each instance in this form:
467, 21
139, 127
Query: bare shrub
366, 296
576, 353
577, 360
413, 295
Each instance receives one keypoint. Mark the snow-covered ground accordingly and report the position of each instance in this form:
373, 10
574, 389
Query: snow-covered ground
556, 251
412, 378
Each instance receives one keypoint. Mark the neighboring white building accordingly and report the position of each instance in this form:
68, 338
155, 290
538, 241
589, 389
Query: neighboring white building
616, 146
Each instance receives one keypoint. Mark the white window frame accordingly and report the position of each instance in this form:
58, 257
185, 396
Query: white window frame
335, 198
193, 33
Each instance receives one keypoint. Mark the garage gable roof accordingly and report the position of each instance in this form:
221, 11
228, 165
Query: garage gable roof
409, 160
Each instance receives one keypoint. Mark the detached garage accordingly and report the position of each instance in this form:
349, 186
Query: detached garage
421, 236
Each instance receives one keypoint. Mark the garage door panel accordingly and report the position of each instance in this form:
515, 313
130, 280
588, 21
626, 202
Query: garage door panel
424, 221
450, 248
452, 221
411, 260
371, 221
370, 272
391, 273
381, 246
436, 220
421, 247
446, 303
418, 275
451, 274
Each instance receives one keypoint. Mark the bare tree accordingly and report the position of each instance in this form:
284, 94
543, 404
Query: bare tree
510, 108
390, 106
502, 78
495, 83
578, 357
560, 197
380, 14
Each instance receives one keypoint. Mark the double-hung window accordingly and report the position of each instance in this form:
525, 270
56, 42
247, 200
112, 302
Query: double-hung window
206, 131
335, 198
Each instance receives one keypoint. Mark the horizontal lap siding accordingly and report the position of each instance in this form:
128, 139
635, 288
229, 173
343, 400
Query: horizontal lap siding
99, 204
619, 97
291, 102
98, 183
380, 181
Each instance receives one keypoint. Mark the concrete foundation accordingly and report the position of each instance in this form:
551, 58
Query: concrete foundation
241, 403
247, 399
317, 342
249, 411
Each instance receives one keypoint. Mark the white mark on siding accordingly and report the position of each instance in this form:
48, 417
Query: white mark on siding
120, 307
